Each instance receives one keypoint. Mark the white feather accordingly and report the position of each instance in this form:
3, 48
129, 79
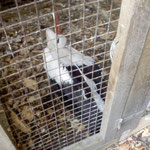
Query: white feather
55, 70
68, 56
83, 93
96, 96
65, 53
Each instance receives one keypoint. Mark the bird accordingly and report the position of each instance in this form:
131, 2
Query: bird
64, 59
75, 77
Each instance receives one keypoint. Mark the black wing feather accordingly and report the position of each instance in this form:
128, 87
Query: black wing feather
88, 108
84, 110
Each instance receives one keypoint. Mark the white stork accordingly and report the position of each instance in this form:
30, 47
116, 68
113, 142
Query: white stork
60, 62
76, 75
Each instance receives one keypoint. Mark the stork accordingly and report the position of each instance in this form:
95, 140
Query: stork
75, 75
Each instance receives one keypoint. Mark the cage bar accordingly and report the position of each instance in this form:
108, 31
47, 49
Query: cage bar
37, 116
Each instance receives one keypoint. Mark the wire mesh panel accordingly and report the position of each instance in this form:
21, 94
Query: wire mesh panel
45, 113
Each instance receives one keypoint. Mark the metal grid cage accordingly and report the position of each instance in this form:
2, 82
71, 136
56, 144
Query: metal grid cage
38, 117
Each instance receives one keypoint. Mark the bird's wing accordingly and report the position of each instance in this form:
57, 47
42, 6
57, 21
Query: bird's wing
93, 88
79, 58
69, 56
87, 85
86, 104
93, 72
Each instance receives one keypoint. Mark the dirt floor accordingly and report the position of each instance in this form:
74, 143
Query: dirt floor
22, 39
138, 141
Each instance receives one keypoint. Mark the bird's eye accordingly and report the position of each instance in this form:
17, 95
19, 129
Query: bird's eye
57, 40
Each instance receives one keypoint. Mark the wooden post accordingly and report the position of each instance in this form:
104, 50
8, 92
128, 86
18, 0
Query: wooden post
6, 137
5, 142
138, 100
130, 72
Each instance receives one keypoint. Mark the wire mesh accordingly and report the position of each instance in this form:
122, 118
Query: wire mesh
40, 118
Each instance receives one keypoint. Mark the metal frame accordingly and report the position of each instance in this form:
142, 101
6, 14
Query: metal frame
128, 88
21, 22
127, 95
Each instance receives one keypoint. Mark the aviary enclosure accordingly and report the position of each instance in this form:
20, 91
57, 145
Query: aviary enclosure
37, 116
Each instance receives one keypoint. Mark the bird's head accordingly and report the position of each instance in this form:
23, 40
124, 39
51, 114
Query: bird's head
54, 40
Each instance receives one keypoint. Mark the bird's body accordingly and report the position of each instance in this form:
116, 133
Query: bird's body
76, 76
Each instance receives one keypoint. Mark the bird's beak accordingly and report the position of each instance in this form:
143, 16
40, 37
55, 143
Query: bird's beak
58, 30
